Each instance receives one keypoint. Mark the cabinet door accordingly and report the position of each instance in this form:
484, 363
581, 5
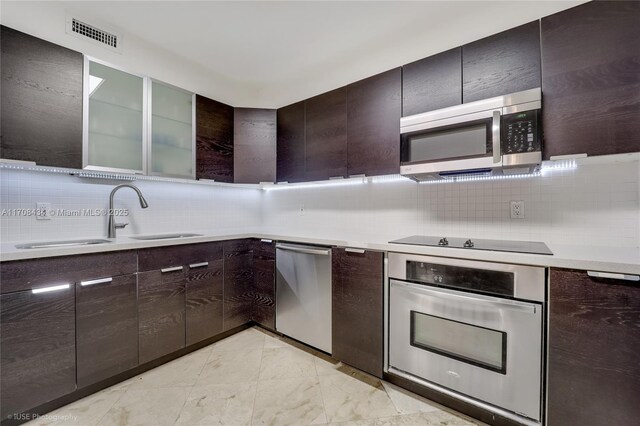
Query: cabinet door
172, 136
41, 85
503, 63
594, 372
107, 327
326, 135
373, 132
264, 269
161, 313
38, 348
214, 140
204, 293
591, 79
254, 140
116, 117
238, 283
290, 143
357, 319
432, 83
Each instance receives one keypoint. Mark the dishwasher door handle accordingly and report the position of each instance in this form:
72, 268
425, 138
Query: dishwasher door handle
298, 249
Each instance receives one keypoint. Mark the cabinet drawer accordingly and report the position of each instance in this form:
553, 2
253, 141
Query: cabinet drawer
35, 273
107, 328
38, 348
182, 255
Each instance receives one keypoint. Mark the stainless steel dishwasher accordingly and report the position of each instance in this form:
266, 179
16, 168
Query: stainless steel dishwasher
303, 294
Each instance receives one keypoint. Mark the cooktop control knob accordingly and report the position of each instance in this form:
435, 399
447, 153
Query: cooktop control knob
443, 242
468, 244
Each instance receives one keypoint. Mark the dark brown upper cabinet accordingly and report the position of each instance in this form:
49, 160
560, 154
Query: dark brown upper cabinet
238, 283
357, 308
591, 79
254, 140
214, 140
374, 106
106, 327
432, 83
594, 373
264, 283
503, 63
326, 135
38, 348
41, 85
290, 143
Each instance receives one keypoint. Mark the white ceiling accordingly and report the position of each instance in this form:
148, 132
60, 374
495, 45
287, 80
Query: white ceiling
282, 52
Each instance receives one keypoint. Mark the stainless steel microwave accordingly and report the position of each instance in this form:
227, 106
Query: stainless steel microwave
491, 136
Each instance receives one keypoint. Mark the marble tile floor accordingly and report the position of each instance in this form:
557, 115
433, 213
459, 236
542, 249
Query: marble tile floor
254, 378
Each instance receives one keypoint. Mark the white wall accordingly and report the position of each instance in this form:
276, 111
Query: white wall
595, 204
173, 207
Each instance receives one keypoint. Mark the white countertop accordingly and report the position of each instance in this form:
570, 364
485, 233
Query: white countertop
608, 259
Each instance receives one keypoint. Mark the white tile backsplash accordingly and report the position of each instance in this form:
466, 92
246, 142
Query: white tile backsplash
595, 204
173, 207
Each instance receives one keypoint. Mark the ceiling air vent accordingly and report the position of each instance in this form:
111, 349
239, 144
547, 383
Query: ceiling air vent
106, 38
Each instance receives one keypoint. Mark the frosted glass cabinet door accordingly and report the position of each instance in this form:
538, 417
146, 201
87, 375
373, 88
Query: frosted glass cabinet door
172, 136
114, 126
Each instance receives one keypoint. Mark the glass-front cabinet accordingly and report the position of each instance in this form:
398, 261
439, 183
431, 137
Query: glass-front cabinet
134, 124
172, 151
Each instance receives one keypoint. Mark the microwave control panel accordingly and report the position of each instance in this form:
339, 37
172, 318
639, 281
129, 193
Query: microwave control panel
521, 132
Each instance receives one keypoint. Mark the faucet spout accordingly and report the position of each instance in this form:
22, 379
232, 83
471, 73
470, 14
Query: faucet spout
111, 229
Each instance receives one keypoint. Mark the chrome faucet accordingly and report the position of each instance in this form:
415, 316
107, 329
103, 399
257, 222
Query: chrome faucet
112, 223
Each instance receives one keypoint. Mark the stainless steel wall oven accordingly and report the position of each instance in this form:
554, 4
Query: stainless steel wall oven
471, 329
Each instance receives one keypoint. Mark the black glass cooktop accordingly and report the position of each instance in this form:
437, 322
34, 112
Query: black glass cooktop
532, 247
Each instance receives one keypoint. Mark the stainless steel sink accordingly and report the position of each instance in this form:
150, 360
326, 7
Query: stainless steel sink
68, 243
164, 236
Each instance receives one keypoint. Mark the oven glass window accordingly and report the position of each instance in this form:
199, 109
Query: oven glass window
470, 141
469, 343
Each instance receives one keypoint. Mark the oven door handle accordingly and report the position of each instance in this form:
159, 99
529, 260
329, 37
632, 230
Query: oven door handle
443, 293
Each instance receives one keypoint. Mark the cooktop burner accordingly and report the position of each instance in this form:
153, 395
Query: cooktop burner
533, 247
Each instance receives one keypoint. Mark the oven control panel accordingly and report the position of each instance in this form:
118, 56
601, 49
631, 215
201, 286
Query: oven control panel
521, 132
458, 277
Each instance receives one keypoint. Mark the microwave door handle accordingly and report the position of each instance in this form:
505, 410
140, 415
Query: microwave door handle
495, 127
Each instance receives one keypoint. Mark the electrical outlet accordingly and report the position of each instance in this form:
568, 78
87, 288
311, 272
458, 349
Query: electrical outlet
301, 210
517, 209
42, 211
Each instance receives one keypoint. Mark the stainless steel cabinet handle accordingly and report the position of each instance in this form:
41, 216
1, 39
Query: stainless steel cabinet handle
172, 269
495, 127
98, 281
611, 275
320, 252
264, 240
50, 288
354, 250
198, 265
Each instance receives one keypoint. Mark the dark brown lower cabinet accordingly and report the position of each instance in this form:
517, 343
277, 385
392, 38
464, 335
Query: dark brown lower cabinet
357, 306
204, 292
264, 270
594, 342
238, 283
38, 348
106, 328
161, 313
